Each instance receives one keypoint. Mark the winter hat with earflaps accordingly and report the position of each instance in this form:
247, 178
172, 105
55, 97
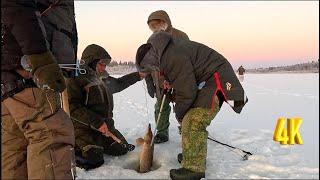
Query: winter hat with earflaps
94, 52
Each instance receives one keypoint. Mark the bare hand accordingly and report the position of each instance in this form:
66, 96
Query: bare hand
104, 129
142, 75
166, 85
25, 74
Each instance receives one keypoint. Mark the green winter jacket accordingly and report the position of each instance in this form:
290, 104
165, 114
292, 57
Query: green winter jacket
195, 71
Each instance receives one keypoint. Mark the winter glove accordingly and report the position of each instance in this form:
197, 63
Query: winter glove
46, 72
150, 86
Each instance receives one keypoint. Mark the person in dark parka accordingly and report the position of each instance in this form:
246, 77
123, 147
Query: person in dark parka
91, 109
37, 136
241, 72
157, 21
201, 79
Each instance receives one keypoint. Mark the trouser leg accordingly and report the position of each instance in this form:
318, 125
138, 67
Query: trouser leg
14, 148
89, 154
48, 130
163, 124
194, 137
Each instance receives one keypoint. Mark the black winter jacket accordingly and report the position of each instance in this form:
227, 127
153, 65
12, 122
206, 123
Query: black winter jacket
25, 31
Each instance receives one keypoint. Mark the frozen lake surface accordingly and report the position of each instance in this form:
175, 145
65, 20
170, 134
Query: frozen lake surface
270, 96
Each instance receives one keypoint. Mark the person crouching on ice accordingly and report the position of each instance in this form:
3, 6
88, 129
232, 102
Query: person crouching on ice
201, 79
91, 109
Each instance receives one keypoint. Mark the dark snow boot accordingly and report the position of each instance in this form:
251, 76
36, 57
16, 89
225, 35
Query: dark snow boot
87, 164
185, 174
160, 138
90, 159
180, 157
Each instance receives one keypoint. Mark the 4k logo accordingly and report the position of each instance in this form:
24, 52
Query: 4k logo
291, 135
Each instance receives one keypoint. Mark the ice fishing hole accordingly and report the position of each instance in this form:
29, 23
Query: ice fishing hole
134, 165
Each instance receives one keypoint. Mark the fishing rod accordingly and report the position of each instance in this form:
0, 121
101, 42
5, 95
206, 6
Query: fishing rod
159, 115
244, 157
129, 147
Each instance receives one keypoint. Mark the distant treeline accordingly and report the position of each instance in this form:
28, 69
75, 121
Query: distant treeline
311, 67
123, 67
308, 67
124, 63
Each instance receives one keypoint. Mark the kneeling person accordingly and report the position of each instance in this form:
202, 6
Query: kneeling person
91, 109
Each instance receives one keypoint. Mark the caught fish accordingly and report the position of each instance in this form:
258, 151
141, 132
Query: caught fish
146, 154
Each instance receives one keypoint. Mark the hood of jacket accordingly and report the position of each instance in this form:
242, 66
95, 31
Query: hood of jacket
161, 15
159, 41
93, 52
150, 60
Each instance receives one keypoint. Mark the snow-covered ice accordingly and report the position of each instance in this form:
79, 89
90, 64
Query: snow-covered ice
270, 96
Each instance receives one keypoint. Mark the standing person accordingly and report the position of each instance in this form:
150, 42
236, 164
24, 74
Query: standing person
37, 136
241, 72
91, 109
157, 21
202, 79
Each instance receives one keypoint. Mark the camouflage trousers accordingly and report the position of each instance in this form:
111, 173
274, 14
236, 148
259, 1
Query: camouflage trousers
163, 124
37, 137
194, 136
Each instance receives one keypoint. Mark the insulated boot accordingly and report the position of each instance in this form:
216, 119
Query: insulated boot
87, 164
180, 157
89, 159
160, 138
185, 174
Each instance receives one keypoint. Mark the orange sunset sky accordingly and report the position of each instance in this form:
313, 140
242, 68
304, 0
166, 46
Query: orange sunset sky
252, 33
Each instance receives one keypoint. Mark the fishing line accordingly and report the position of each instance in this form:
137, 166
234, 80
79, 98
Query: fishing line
144, 84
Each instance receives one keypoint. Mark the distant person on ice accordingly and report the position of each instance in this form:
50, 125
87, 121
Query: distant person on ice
201, 79
241, 72
91, 107
157, 21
